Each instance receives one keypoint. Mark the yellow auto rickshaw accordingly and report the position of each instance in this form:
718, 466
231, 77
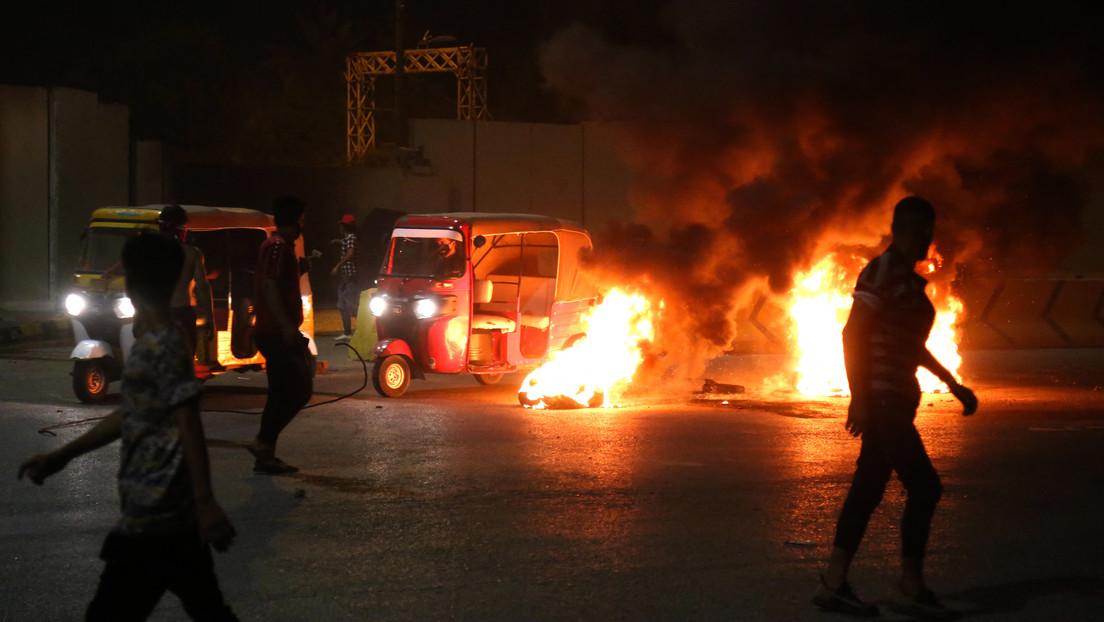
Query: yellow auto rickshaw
102, 315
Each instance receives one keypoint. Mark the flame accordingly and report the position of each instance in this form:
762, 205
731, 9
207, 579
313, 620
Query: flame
821, 303
586, 373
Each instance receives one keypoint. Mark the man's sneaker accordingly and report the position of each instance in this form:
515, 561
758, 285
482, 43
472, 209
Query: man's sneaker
842, 600
924, 605
343, 337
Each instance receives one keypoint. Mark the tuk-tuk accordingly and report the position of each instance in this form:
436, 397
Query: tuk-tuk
102, 315
479, 293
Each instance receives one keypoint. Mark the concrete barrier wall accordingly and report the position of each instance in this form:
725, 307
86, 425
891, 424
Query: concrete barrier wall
1033, 313
24, 195
90, 168
567, 171
62, 154
999, 314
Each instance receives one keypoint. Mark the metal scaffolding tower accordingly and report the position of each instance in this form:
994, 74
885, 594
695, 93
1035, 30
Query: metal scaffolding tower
469, 64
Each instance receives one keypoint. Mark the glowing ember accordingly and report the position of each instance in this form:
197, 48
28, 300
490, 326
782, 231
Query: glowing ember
586, 373
822, 301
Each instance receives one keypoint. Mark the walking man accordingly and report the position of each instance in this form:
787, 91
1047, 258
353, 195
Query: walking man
279, 313
884, 343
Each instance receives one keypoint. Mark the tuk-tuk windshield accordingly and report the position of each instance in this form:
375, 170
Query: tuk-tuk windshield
431, 253
103, 248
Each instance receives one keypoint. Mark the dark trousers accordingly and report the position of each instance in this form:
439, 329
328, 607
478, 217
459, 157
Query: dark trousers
290, 384
139, 570
348, 301
891, 443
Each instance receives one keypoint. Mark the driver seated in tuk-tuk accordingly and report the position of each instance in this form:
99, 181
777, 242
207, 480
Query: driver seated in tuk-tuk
448, 261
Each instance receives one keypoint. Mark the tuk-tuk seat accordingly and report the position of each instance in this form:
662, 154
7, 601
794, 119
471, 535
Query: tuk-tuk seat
482, 295
486, 321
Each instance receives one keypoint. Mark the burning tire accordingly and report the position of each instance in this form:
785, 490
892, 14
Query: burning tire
561, 402
488, 378
391, 375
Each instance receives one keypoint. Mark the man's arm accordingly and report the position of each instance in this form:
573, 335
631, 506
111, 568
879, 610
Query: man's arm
344, 260
214, 526
964, 395
856, 359
42, 466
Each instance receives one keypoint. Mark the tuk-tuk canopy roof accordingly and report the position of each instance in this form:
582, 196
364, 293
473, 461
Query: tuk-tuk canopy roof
200, 217
486, 223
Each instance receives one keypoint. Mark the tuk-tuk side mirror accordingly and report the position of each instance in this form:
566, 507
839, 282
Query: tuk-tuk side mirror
479, 241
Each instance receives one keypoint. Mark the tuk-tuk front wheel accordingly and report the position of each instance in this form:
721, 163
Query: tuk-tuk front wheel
90, 381
488, 378
391, 375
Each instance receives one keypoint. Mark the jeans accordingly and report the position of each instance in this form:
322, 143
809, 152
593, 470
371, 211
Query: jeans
138, 570
290, 384
348, 300
891, 443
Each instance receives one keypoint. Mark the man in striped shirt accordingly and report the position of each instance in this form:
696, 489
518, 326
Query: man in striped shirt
884, 343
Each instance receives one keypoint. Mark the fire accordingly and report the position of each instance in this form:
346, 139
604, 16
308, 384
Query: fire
822, 301
586, 373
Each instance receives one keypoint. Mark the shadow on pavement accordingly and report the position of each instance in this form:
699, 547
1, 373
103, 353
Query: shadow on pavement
1014, 597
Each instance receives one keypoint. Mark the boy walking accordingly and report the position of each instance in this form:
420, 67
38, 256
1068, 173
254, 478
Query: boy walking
348, 288
169, 513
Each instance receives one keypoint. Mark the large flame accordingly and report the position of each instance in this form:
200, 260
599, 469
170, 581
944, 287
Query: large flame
586, 373
821, 303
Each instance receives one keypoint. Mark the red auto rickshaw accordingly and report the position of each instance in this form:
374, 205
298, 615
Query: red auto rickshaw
478, 293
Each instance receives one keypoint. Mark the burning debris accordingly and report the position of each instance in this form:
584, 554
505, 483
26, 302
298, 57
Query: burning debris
712, 387
821, 302
584, 375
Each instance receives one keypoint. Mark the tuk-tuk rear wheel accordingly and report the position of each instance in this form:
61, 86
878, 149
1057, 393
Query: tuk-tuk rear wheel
488, 378
90, 381
391, 375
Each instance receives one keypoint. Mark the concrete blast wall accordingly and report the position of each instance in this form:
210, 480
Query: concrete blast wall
567, 171
24, 194
62, 154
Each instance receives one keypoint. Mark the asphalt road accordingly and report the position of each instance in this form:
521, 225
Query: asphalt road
455, 503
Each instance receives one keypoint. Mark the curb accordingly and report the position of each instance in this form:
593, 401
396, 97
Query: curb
42, 330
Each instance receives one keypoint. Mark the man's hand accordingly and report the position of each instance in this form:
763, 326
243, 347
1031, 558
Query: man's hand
857, 417
41, 466
967, 397
334, 271
215, 527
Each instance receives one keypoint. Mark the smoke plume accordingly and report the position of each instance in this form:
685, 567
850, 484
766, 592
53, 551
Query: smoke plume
763, 135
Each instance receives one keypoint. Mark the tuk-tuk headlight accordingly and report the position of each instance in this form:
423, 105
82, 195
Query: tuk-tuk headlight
124, 308
425, 308
377, 305
75, 304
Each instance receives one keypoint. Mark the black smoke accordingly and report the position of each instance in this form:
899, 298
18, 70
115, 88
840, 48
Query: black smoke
765, 134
